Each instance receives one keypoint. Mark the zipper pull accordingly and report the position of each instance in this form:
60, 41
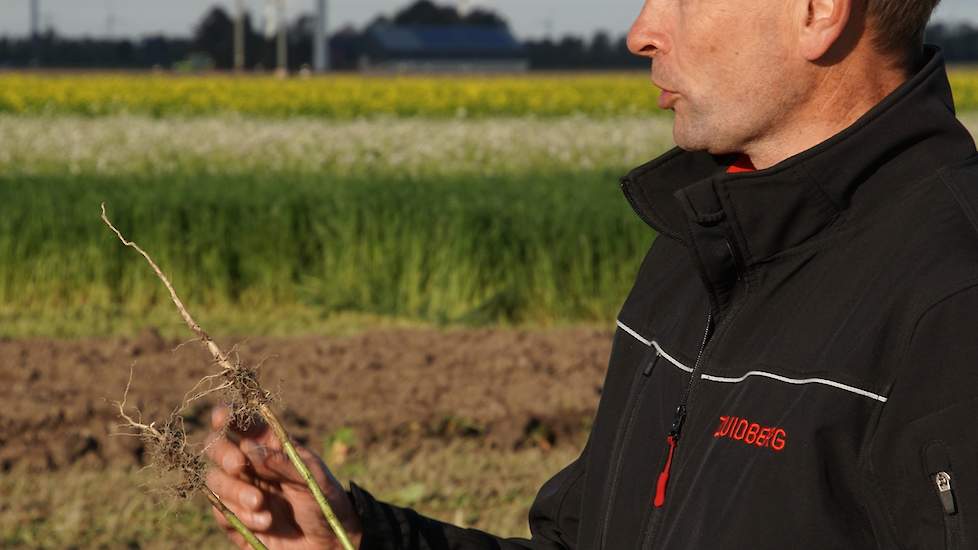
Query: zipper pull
673, 440
663, 481
943, 482
651, 365
677, 422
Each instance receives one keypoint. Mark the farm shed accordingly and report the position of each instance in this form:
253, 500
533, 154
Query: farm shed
442, 48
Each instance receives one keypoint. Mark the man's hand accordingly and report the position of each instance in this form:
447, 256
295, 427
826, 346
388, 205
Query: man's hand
254, 478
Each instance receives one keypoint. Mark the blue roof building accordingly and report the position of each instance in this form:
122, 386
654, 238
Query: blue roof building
437, 48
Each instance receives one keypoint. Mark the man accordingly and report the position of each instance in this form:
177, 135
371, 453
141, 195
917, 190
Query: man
797, 364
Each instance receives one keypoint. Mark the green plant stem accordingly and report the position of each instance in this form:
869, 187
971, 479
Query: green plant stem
235, 522
306, 474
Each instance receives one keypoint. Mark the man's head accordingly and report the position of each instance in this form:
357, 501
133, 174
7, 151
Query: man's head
744, 74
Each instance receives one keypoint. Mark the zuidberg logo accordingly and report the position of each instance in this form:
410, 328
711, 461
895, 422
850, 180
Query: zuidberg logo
751, 433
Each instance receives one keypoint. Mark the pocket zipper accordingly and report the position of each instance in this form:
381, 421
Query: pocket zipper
937, 462
946, 492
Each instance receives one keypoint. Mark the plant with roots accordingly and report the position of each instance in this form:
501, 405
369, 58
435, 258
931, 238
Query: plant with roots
169, 450
247, 401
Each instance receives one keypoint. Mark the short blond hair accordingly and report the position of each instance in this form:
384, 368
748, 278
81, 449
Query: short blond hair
899, 25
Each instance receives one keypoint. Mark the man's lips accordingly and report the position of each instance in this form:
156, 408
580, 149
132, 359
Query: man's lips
667, 99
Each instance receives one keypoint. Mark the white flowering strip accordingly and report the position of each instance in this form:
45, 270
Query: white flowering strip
129, 145
133, 145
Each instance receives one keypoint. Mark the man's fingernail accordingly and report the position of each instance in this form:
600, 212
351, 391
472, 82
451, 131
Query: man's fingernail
230, 463
251, 499
261, 520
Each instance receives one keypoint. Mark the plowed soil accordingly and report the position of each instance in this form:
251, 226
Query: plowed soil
501, 388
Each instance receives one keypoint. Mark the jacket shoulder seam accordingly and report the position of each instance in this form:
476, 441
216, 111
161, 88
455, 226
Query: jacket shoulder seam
966, 209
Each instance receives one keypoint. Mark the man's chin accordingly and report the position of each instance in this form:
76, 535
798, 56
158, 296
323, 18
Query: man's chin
698, 139
688, 142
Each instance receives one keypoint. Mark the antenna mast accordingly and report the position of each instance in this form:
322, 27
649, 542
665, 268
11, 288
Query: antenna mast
239, 37
282, 44
110, 19
36, 33
320, 46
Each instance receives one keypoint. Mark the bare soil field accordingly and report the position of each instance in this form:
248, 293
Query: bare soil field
506, 389
463, 425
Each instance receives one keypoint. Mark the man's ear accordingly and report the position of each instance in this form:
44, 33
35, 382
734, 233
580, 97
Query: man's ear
822, 25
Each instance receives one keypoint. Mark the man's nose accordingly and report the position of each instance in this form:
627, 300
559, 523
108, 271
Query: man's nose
646, 37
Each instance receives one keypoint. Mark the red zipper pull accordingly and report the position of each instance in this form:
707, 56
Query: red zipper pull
660, 486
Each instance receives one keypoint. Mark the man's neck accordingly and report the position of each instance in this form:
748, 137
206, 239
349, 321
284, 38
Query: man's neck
838, 99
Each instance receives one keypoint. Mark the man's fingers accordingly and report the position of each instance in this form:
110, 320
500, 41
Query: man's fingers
255, 521
219, 417
222, 521
238, 540
226, 455
234, 493
229, 530
269, 463
256, 428
275, 465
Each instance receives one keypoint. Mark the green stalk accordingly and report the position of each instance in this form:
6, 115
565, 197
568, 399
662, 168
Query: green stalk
307, 476
235, 522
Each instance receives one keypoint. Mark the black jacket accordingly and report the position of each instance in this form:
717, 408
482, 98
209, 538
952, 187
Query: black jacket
799, 354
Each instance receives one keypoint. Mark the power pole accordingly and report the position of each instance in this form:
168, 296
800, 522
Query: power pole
109, 19
239, 37
320, 44
36, 33
282, 50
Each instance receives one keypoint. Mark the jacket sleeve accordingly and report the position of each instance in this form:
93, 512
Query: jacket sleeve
923, 459
553, 519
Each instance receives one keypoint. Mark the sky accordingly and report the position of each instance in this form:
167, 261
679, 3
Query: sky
528, 18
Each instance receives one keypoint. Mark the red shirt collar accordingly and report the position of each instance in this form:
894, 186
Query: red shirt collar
741, 164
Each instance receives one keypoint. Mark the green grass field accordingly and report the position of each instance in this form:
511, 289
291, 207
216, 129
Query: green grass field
282, 226
442, 250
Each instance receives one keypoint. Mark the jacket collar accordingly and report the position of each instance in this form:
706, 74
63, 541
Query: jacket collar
732, 222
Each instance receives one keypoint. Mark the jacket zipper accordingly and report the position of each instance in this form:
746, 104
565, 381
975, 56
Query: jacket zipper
679, 418
673, 438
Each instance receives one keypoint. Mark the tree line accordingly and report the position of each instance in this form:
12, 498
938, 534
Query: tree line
211, 45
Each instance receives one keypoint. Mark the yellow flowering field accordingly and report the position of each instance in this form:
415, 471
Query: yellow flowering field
965, 85
342, 96
351, 96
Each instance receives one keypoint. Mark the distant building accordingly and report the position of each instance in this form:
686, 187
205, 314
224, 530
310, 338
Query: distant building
441, 48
